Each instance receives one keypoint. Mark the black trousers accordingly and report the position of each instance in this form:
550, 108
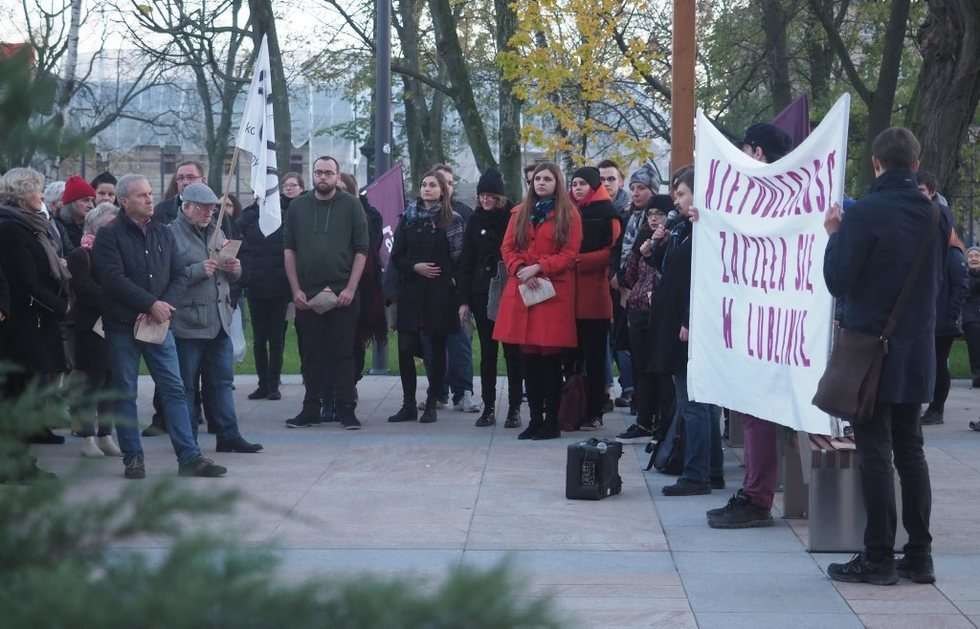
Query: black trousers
269, 337
590, 359
941, 391
653, 393
328, 355
894, 430
972, 333
543, 375
410, 346
488, 359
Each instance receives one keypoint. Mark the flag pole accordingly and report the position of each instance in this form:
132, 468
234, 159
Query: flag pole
213, 246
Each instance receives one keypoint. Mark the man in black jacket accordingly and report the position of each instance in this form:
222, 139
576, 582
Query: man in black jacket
871, 251
136, 263
188, 172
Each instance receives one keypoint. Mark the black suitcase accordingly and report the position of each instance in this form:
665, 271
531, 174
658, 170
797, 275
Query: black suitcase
592, 472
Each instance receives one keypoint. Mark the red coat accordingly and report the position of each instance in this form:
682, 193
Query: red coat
592, 297
550, 323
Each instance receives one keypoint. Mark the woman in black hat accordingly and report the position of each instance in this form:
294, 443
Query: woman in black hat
477, 267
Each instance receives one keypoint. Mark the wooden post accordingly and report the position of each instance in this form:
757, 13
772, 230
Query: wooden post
682, 86
224, 197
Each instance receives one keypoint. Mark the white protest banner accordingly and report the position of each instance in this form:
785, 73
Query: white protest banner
257, 135
760, 311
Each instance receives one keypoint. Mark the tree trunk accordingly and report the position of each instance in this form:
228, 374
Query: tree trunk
948, 88
413, 95
451, 54
777, 58
66, 88
508, 109
883, 101
264, 23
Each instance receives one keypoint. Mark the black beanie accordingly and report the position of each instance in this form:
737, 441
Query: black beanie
591, 176
491, 182
661, 202
773, 141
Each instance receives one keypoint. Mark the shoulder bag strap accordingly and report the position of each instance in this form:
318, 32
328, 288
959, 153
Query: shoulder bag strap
906, 293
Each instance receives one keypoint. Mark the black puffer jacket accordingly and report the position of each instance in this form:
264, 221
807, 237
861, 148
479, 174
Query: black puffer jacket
263, 268
481, 252
136, 268
971, 309
671, 307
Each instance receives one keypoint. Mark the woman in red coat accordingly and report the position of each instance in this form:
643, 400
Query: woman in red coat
541, 242
593, 304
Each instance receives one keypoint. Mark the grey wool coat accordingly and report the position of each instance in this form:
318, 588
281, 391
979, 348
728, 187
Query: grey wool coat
204, 309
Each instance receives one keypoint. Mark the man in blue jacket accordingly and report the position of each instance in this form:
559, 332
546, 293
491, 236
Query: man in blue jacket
135, 260
871, 250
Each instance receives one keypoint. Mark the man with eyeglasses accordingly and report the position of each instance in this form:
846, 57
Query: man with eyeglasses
188, 172
326, 244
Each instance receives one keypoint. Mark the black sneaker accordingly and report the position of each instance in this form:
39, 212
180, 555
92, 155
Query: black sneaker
861, 570
205, 468
916, 568
513, 417
685, 487
406, 413
135, 469
429, 415
739, 513
303, 421
238, 445
46, 437
348, 420
487, 418
274, 395
259, 394
634, 434
931, 418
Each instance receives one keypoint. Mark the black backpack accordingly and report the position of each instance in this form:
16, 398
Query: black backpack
667, 456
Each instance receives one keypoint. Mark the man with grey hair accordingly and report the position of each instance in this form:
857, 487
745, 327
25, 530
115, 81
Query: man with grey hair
202, 324
136, 263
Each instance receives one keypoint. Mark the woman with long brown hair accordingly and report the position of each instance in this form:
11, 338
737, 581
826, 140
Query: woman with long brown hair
428, 243
540, 246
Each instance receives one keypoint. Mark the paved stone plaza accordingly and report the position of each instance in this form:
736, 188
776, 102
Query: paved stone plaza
414, 499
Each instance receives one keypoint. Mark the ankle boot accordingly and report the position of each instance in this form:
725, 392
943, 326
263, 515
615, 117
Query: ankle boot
429, 414
513, 417
108, 446
90, 449
406, 413
549, 429
487, 418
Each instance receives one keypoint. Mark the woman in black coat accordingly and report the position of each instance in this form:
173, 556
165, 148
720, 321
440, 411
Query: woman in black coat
31, 335
267, 289
91, 349
477, 266
949, 304
428, 243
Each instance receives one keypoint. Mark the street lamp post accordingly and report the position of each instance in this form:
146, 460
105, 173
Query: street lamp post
382, 128
682, 85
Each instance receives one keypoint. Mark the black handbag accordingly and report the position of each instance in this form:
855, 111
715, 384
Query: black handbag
849, 386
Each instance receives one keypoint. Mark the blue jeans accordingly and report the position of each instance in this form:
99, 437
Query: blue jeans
624, 360
215, 358
703, 457
459, 367
125, 352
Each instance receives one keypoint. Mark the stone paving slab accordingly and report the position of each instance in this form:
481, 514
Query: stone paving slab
415, 500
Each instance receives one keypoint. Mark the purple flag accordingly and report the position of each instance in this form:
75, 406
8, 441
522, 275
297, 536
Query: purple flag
795, 120
387, 194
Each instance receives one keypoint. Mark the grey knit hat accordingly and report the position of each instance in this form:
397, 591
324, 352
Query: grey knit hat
647, 176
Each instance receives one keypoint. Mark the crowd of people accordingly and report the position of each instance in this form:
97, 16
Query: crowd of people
589, 270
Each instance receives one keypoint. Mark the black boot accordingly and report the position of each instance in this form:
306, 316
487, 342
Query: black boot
488, 417
407, 413
513, 417
549, 429
429, 414
533, 426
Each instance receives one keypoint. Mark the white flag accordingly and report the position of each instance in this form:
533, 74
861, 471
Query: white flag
257, 135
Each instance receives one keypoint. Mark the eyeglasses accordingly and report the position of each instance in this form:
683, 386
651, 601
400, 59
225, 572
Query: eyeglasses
183, 178
324, 173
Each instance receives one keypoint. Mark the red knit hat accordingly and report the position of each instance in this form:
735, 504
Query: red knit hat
76, 188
